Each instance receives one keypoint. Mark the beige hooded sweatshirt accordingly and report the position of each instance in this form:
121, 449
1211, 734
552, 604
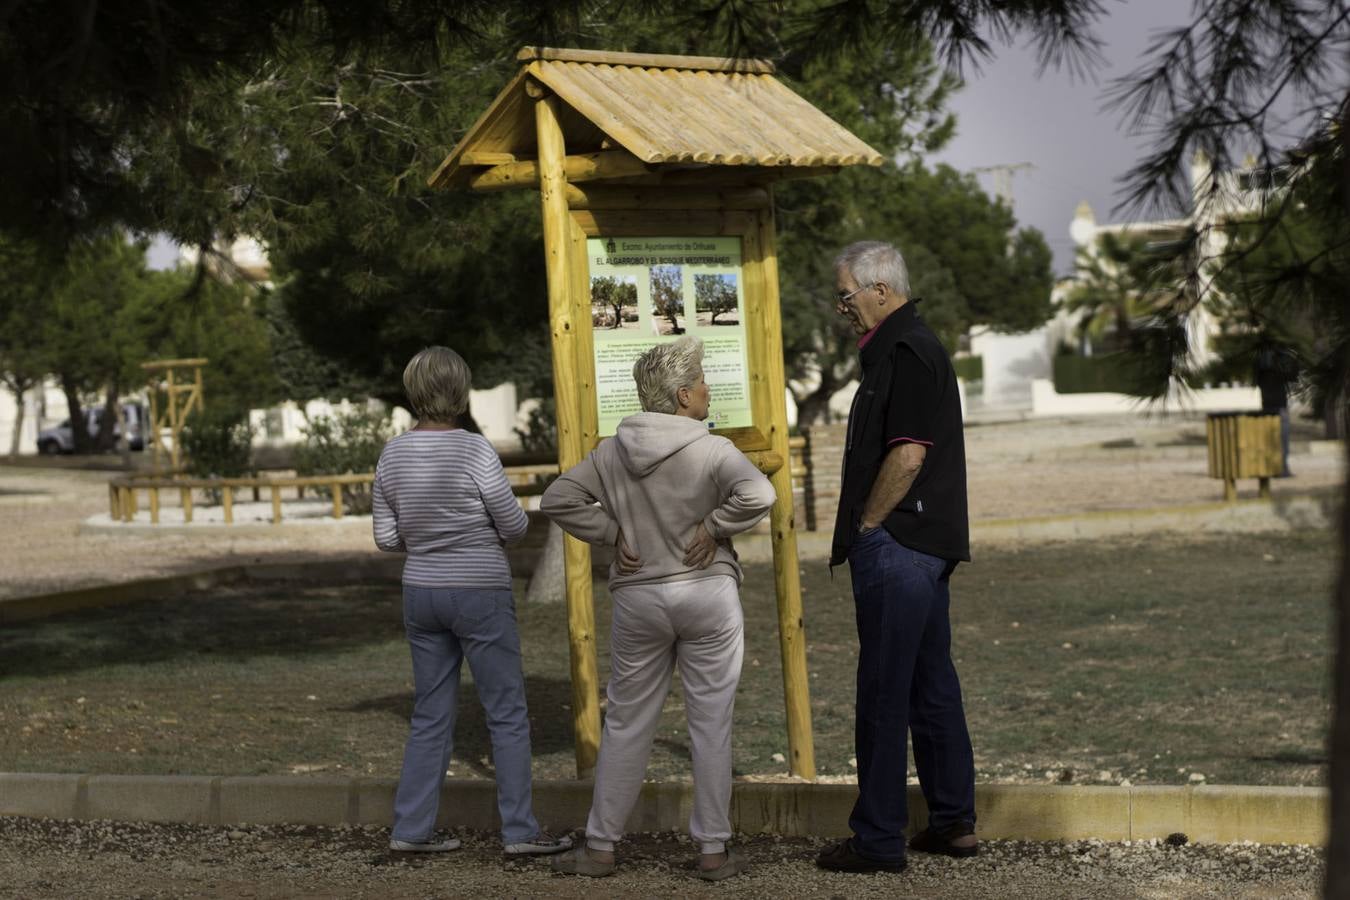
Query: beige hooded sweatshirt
657, 479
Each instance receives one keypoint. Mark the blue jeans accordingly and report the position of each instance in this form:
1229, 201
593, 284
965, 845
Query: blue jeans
906, 681
444, 626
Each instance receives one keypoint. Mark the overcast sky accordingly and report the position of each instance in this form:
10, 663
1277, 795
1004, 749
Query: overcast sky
1006, 114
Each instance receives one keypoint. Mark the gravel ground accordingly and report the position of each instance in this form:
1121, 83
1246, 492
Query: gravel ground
1016, 469
51, 858
41, 511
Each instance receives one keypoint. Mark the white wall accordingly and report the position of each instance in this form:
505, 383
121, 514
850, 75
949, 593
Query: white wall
1046, 402
1011, 362
43, 407
494, 410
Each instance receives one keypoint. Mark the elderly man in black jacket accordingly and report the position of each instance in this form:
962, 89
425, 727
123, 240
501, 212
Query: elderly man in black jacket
902, 527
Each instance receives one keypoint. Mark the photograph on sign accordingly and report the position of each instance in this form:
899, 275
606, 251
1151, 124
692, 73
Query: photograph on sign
646, 291
716, 296
668, 317
614, 303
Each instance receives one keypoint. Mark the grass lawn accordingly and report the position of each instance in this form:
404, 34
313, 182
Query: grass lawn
1150, 660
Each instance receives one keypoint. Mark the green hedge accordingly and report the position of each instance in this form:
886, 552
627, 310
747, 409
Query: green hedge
971, 368
1093, 374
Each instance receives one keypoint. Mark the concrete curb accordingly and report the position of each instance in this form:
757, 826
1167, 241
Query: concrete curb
1281, 514
1207, 814
220, 531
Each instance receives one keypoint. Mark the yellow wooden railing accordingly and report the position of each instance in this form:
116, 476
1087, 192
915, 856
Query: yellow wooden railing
125, 493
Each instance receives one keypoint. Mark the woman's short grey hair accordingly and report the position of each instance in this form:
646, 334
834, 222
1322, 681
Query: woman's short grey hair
664, 369
437, 383
872, 261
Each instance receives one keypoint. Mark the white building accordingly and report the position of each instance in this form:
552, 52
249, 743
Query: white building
1018, 368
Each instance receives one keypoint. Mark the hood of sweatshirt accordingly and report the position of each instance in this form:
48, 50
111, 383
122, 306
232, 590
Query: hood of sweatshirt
647, 439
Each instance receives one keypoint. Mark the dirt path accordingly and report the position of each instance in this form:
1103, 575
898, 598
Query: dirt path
1016, 470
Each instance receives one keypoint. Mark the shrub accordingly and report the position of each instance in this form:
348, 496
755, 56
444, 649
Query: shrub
342, 444
1112, 373
218, 444
971, 368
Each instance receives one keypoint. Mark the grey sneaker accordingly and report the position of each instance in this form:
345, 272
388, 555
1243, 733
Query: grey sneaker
424, 846
542, 844
580, 862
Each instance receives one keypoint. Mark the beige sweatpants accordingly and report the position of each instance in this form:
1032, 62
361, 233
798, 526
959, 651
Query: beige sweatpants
698, 626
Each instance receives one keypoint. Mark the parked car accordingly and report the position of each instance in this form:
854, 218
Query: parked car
61, 439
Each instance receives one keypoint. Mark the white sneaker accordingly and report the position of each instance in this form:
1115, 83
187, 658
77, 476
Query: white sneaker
424, 846
542, 844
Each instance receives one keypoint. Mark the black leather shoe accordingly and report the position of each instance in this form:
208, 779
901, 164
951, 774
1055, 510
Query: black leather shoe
841, 857
940, 841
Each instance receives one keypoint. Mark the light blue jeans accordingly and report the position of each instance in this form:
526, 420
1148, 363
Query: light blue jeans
444, 626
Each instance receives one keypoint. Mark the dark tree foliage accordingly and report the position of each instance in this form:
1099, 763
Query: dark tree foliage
91, 86
1282, 288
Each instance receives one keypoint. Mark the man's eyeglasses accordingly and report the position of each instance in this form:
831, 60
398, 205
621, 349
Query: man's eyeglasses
842, 298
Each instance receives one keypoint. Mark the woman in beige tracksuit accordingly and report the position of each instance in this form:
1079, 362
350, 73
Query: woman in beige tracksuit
667, 495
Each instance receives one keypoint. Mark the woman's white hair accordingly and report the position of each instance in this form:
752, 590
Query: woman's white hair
872, 261
437, 382
664, 369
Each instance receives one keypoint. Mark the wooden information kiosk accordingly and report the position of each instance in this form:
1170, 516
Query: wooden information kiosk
655, 174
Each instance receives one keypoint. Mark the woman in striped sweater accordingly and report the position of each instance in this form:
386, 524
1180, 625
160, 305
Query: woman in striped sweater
441, 497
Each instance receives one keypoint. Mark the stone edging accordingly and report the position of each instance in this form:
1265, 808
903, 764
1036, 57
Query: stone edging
1206, 814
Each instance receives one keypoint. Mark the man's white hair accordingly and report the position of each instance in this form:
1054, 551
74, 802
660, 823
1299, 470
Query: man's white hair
869, 262
664, 369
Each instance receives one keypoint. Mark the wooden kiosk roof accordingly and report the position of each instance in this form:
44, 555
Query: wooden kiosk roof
690, 111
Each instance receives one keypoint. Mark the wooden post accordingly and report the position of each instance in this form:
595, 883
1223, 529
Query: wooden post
337, 500
276, 505
173, 418
154, 506
187, 505
113, 512
782, 527
129, 506
576, 554
227, 503
154, 423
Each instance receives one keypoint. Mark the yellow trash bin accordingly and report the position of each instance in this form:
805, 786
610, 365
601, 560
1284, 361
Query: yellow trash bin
1244, 445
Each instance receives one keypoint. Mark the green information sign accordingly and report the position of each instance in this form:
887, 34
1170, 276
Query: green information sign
646, 291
